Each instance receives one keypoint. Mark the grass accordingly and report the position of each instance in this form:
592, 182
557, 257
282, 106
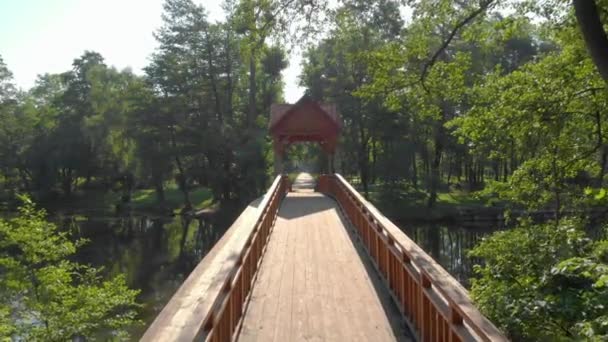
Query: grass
200, 197
459, 198
402, 201
141, 199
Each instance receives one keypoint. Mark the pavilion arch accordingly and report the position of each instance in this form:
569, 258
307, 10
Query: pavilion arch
304, 121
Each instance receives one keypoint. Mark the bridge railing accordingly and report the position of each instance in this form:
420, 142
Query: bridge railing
209, 305
435, 305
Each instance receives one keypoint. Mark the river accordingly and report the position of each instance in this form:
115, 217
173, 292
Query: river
157, 253
449, 244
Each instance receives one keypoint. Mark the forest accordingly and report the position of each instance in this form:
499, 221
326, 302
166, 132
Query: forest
503, 104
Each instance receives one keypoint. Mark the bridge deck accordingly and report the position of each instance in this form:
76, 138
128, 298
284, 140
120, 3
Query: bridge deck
315, 281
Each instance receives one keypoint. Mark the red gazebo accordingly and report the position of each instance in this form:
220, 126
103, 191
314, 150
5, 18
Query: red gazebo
306, 120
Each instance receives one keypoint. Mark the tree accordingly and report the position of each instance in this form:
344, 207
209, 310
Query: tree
260, 20
550, 113
48, 296
552, 286
148, 126
543, 281
335, 69
7, 88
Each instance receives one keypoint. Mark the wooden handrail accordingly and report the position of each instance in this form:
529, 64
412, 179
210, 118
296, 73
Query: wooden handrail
209, 305
432, 301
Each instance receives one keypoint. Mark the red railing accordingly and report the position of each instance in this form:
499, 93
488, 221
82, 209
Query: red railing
435, 305
209, 305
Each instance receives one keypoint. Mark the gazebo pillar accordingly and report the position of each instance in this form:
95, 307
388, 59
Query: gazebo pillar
278, 163
329, 168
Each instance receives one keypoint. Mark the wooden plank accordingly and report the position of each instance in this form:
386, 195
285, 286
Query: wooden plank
301, 293
325, 291
267, 277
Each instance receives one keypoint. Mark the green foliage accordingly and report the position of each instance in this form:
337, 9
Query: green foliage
543, 282
462, 96
45, 295
549, 105
467, 98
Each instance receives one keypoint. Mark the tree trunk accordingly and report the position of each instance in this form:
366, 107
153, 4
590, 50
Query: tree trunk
160, 191
226, 179
181, 177
230, 85
214, 89
588, 18
434, 179
251, 113
450, 166
373, 167
513, 160
364, 171
603, 165
25, 183
67, 182
182, 183
414, 170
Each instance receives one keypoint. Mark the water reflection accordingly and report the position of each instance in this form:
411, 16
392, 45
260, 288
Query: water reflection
155, 253
449, 244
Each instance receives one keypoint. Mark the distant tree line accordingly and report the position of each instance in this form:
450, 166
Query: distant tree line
196, 117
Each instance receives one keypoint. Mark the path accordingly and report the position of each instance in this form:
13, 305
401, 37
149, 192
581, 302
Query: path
315, 282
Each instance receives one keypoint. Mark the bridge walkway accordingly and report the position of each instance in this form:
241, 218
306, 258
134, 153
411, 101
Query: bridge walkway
315, 282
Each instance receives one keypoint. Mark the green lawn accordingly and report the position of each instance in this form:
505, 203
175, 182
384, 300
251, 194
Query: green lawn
405, 202
459, 198
141, 199
146, 198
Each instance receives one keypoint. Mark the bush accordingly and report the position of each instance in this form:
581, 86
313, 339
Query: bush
544, 282
46, 296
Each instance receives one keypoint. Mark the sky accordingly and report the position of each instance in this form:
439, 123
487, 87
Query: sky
40, 36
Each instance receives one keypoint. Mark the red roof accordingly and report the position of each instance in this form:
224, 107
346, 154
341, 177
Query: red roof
306, 120
278, 110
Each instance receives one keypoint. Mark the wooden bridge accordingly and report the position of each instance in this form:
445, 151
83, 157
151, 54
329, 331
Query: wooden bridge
316, 261
321, 266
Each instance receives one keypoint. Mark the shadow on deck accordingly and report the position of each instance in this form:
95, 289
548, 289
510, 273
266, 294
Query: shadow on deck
316, 281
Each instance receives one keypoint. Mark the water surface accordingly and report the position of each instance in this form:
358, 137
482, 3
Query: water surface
448, 244
155, 253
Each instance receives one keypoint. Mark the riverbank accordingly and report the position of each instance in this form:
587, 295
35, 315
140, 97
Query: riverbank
142, 200
452, 207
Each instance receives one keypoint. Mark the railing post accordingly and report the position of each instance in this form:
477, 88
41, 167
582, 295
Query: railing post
455, 320
390, 273
425, 315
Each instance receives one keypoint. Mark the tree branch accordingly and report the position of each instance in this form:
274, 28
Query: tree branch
427, 66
